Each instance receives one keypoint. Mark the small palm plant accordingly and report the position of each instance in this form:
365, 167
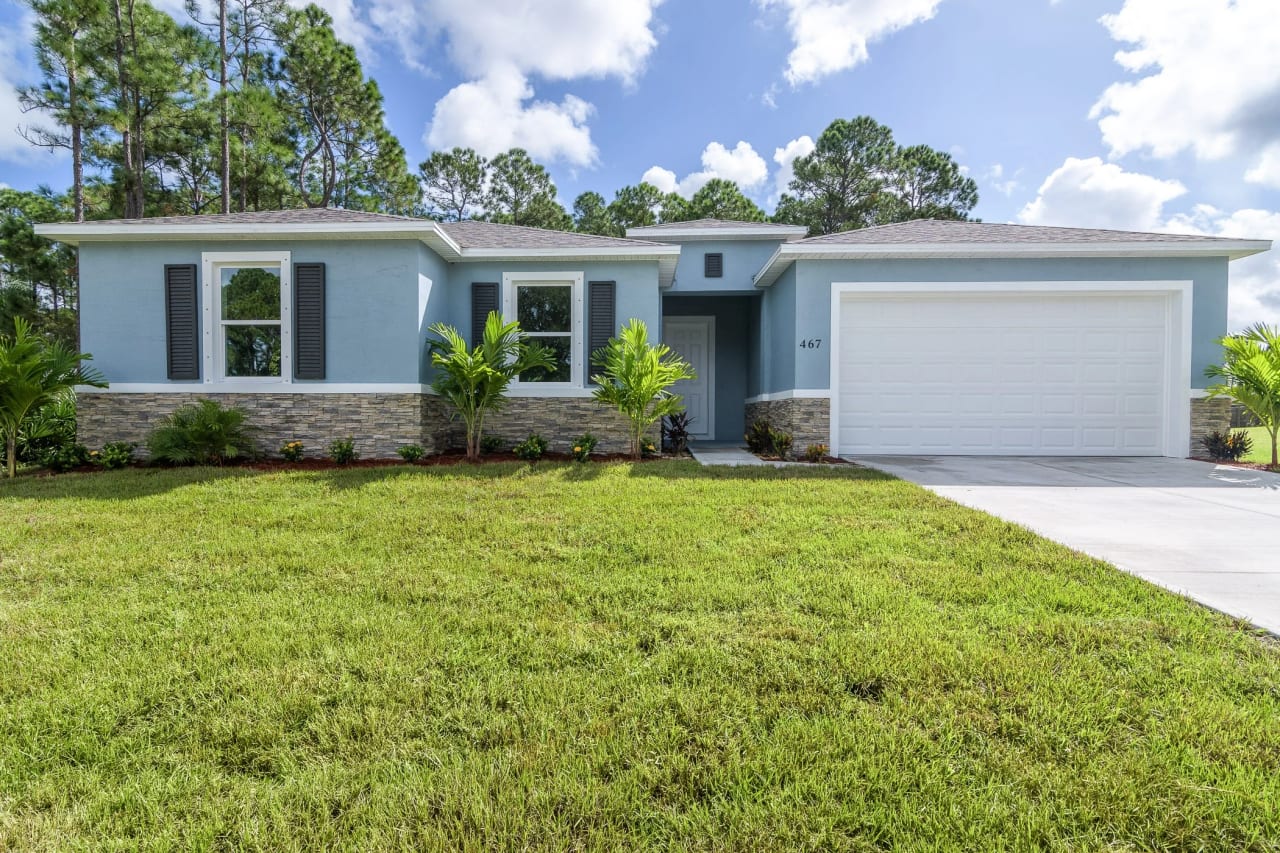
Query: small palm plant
1251, 370
475, 380
34, 373
636, 379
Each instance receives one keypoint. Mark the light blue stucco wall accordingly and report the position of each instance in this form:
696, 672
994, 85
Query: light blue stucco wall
775, 357
370, 305
375, 313
802, 303
733, 352
742, 260
637, 291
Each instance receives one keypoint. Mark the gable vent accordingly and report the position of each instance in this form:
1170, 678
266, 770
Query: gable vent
713, 265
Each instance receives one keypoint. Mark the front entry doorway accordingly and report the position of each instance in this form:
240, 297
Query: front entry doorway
694, 338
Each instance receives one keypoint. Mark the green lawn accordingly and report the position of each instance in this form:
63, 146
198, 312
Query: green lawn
602, 657
1261, 445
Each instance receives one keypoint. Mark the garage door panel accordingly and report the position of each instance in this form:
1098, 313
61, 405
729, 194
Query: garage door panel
1075, 373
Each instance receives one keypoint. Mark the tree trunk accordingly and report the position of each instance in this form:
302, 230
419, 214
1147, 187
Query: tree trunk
1275, 451
225, 162
77, 140
11, 452
126, 134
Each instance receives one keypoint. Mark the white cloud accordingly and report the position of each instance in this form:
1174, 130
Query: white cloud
663, 179
1266, 171
995, 178
1255, 281
1094, 194
16, 69
830, 36
786, 156
497, 112
501, 46
740, 164
1211, 84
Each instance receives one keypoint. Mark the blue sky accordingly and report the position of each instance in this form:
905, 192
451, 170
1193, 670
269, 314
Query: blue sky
1147, 114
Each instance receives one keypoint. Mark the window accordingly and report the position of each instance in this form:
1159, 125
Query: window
548, 307
713, 265
248, 334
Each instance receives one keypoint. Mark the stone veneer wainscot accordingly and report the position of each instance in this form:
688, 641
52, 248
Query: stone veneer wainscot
808, 419
379, 423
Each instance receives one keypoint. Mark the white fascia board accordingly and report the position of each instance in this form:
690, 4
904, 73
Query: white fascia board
666, 256
1231, 249
74, 233
745, 233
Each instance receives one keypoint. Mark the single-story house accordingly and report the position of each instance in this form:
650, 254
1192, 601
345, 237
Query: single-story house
924, 337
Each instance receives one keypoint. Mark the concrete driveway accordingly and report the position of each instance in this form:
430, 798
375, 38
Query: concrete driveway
1207, 531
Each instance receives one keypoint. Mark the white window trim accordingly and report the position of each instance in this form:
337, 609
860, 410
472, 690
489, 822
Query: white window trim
211, 314
510, 281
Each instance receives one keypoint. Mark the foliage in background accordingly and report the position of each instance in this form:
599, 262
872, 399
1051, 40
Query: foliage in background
532, 448
636, 377
34, 373
343, 451
1251, 376
203, 433
37, 278
858, 176
1228, 446
475, 380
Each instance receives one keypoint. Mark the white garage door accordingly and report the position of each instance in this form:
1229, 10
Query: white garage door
1014, 373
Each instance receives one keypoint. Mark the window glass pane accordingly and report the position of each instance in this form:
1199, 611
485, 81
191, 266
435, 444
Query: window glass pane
561, 351
250, 293
252, 350
544, 309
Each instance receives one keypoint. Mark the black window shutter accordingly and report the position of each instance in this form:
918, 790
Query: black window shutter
713, 265
308, 321
484, 301
182, 319
602, 322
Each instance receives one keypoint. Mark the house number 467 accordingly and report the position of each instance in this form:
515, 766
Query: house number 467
811, 343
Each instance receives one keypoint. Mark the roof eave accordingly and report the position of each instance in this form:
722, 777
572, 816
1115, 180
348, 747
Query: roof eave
75, 233
1230, 249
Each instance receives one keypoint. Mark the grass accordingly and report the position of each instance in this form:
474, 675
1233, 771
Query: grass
1261, 452
602, 657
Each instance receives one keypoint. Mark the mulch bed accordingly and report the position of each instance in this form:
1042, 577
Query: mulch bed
826, 460
1253, 466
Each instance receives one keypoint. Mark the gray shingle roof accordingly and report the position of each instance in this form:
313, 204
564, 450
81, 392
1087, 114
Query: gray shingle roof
301, 216
711, 225
473, 234
468, 235
942, 231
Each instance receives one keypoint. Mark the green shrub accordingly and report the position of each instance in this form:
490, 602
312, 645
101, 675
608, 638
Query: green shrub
343, 451
532, 448
203, 433
780, 444
583, 445
648, 448
292, 451
636, 378
411, 453
759, 437
64, 457
1227, 446
493, 444
49, 428
816, 452
114, 454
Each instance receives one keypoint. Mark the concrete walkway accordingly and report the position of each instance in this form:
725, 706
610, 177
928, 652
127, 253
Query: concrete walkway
711, 453
1211, 532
